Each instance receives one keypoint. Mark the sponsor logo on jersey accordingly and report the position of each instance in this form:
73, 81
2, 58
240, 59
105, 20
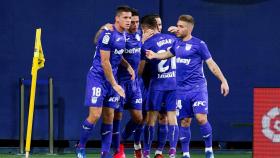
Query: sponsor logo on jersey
138, 101
183, 61
199, 103
113, 99
133, 50
119, 51
118, 39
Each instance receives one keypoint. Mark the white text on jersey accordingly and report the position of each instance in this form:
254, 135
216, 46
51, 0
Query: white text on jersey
184, 61
165, 41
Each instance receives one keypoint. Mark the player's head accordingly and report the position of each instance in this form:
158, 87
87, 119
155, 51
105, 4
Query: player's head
134, 21
149, 22
123, 17
159, 23
185, 26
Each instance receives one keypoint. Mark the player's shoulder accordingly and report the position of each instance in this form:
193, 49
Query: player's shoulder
134, 36
197, 40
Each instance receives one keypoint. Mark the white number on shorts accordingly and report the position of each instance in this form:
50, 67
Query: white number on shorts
178, 107
163, 69
96, 91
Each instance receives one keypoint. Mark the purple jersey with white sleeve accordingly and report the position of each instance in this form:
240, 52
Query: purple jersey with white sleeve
114, 42
162, 71
190, 56
131, 55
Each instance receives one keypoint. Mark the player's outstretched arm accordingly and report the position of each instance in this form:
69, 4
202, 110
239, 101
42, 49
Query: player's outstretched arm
152, 55
128, 68
107, 68
218, 73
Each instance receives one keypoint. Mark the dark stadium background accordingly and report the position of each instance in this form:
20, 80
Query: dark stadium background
243, 37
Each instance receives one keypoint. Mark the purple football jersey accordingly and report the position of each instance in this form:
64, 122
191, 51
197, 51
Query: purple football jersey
190, 56
114, 42
163, 72
131, 55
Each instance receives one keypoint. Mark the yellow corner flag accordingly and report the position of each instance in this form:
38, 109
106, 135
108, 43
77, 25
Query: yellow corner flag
38, 63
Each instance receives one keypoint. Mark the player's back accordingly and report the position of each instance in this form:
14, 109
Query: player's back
114, 42
190, 56
163, 72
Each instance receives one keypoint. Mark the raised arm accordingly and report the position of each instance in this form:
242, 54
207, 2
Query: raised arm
152, 55
214, 68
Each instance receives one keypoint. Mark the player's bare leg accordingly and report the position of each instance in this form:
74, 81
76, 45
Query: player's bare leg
206, 132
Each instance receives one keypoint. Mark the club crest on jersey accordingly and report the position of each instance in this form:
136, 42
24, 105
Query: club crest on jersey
137, 37
188, 47
94, 100
106, 39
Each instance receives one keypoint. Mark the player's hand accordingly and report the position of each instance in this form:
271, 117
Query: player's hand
224, 88
131, 72
119, 90
147, 34
172, 29
150, 54
109, 26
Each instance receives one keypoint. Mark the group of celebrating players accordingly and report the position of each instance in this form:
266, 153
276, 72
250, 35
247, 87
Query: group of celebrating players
154, 76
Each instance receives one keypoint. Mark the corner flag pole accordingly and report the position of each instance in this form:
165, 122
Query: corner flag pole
38, 63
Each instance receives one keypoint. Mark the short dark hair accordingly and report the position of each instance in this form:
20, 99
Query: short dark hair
134, 12
123, 8
149, 21
187, 18
155, 15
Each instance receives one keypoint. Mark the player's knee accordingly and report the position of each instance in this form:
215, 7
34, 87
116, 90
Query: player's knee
202, 119
108, 116
93, 117
162, 119
117, 116
186, 122
172, 118
138, 119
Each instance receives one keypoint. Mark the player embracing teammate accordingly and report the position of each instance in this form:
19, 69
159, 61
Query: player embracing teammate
112, 85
